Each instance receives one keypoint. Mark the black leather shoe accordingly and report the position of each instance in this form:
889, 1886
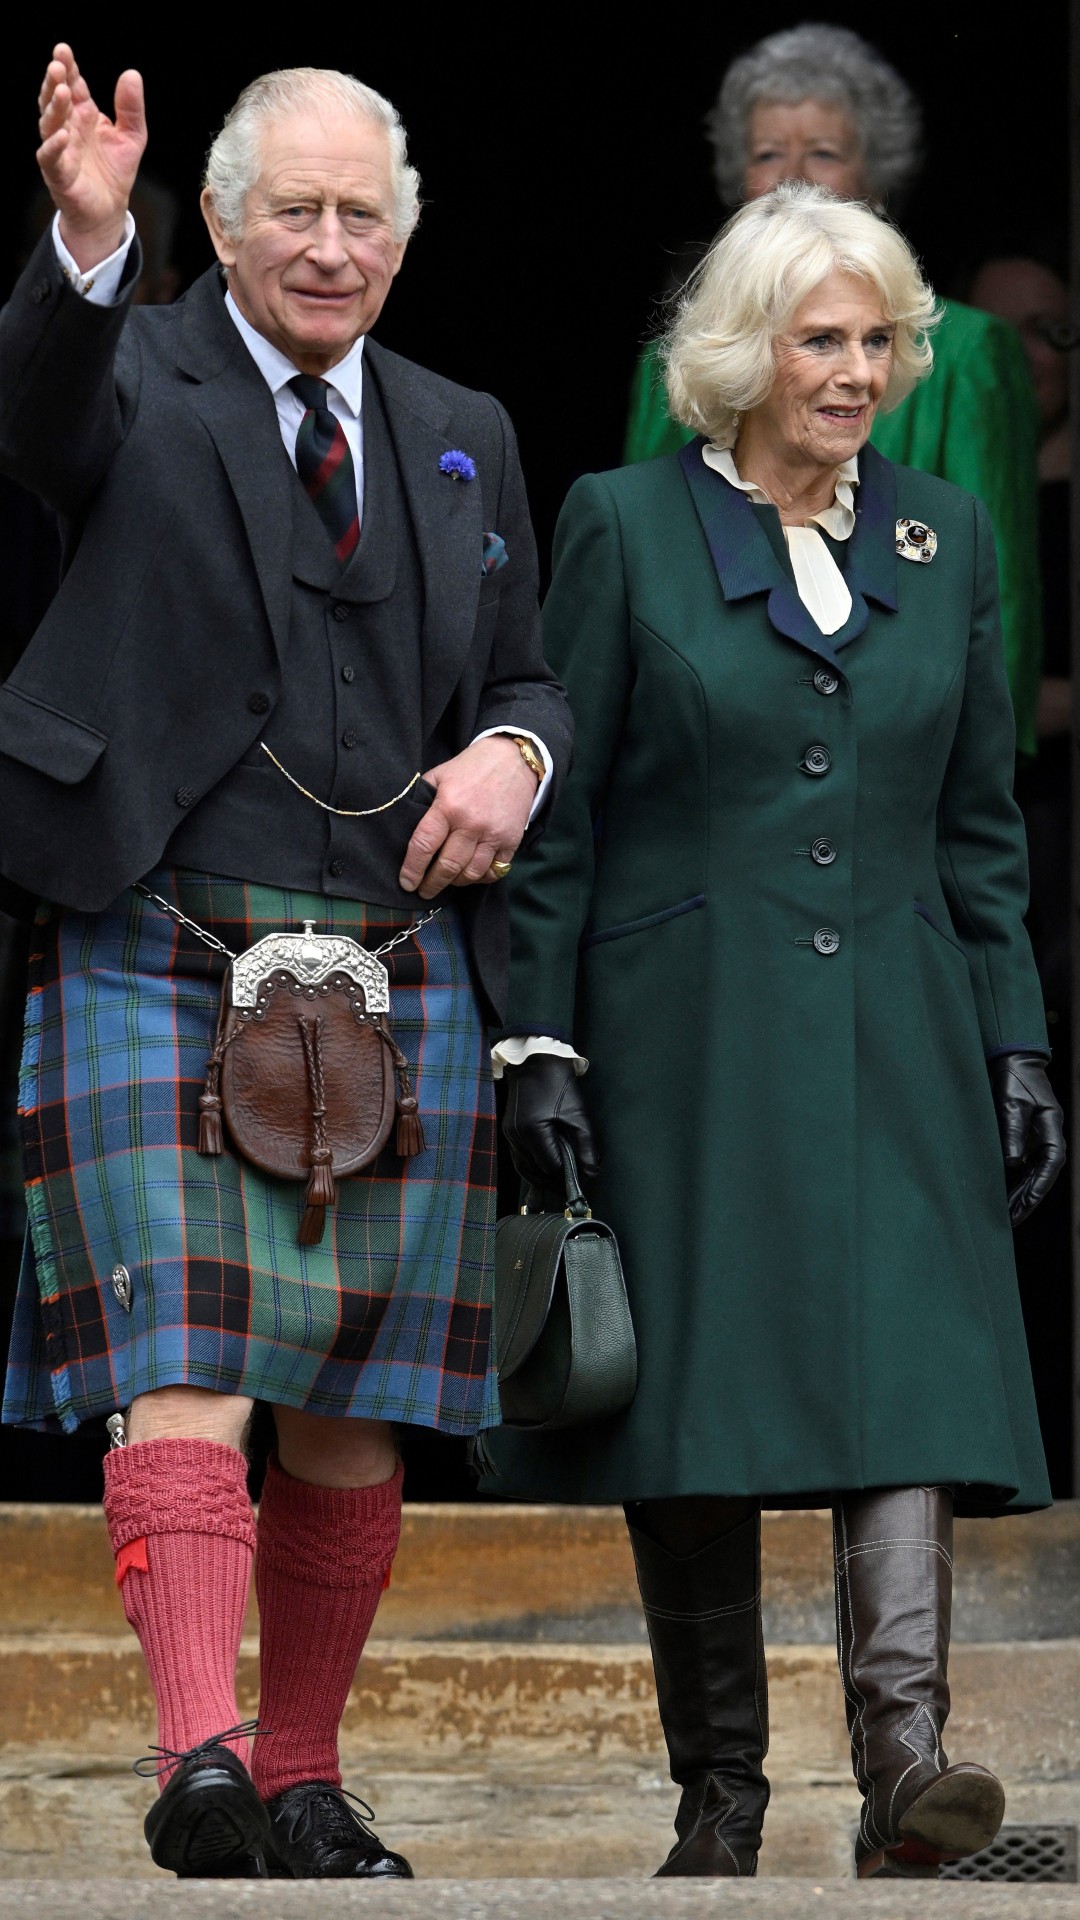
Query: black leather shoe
209, 1823
315, 1835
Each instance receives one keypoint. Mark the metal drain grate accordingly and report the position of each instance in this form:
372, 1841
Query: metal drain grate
1021, 1853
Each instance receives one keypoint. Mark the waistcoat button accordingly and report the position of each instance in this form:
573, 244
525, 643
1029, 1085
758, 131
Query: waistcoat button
184, 796
341, 611
258, 703
350, 737
348, 674
336, 868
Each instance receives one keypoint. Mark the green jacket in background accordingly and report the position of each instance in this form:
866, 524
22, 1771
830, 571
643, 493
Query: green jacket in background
973, 422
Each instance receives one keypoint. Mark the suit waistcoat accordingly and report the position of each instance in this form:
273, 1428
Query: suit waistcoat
347, 724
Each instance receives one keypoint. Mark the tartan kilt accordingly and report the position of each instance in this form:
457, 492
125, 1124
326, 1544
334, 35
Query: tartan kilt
389, 1318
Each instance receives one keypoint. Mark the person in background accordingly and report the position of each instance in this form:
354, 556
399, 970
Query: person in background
778, 917
818, 103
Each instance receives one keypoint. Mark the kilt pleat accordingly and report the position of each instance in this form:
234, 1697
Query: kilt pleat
389, 1318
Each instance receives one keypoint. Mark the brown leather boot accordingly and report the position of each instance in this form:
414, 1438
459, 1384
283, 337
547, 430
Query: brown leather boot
703, 1613
893, 1617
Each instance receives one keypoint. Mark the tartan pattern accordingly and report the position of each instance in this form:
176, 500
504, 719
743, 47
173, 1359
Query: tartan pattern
388, 1318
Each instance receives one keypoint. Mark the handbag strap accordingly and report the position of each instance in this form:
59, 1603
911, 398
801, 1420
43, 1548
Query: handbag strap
576, 1206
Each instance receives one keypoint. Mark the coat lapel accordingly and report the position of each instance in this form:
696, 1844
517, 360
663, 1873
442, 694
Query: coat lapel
746, 564
448, 520
237, 409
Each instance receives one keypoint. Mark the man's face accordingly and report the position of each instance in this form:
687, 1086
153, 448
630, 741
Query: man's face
317, 254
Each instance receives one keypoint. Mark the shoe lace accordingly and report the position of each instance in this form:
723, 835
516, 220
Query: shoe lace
344, 1823
149, 1768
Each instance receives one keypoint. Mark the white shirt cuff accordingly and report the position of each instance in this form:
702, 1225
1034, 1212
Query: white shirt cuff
101, 283
519, 1047
549, 766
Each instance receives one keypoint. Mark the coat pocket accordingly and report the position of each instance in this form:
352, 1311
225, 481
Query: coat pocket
47, 740
647, 920
944, 933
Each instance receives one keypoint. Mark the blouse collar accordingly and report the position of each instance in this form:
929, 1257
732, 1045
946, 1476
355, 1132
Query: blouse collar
837, 519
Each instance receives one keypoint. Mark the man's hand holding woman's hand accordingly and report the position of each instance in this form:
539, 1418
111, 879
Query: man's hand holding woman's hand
89, 162
483, 799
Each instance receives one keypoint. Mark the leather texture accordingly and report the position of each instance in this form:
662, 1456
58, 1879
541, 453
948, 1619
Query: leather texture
266, 1089
564, 1339
209, 1823
1032, 1129
545, 1105
703, 1613
316, 1835
893, 1554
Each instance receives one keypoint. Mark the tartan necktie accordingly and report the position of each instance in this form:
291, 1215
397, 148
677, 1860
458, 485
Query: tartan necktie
325, 465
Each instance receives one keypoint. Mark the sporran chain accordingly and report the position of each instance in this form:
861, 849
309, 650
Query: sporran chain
218, 946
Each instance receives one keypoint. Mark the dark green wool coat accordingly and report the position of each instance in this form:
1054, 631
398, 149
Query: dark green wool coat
779, 909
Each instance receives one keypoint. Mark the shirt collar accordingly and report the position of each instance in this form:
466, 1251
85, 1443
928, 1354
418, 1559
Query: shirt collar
277, 369
837, 519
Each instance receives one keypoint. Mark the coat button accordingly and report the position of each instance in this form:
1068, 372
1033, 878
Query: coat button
826, 940
184, 796
348, 674
823, 852
824, 681
258, 703
350, 737
816, 760
336, 868
341, 611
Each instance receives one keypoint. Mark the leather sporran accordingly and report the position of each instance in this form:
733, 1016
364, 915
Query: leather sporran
305, 1073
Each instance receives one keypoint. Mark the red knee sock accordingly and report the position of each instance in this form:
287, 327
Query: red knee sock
323, 1557
183, 1533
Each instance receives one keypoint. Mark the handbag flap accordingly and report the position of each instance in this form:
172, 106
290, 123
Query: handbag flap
528, 1248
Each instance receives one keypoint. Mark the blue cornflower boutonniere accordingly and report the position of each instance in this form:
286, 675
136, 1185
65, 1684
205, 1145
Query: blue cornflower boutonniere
458, 465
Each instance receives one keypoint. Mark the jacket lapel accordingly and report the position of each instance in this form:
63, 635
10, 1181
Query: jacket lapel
237, 409
746, 564
448, 520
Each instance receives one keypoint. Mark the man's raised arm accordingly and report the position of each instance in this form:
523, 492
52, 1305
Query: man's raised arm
89, 162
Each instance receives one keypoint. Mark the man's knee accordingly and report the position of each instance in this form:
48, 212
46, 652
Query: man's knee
328, 1451
189, 1413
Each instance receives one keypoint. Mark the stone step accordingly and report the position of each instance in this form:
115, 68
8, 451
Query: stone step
586, 1817
1016, 1705
525, 1899
498, 1572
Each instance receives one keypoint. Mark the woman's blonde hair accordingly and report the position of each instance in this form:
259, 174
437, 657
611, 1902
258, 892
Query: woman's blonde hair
718, 354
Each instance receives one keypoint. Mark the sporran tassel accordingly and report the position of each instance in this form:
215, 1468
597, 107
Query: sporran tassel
409, 1132
321, 1193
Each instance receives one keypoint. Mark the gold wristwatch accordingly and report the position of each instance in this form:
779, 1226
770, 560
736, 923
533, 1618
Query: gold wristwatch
530, 756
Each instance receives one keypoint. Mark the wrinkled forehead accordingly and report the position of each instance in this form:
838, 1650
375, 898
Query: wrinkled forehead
326, 147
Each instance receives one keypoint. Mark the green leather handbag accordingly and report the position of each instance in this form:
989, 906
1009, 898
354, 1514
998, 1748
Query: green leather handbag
564, 1340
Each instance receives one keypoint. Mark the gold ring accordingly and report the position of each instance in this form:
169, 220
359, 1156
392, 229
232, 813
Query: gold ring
500, 868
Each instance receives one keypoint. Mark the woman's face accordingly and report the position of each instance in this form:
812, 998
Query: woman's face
833, 362
809, 141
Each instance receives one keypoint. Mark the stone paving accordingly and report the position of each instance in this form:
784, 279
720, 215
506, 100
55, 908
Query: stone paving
529, 1900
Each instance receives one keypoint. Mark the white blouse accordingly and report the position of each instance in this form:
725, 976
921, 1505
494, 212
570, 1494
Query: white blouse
818, 580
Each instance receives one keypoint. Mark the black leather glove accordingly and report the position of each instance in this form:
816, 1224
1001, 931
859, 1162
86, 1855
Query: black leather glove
543, 1101
1032, 1134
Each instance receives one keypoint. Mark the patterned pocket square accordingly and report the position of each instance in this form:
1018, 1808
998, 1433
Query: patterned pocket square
495, 554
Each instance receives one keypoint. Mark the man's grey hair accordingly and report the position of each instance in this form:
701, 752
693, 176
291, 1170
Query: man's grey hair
234, 160
833, 65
